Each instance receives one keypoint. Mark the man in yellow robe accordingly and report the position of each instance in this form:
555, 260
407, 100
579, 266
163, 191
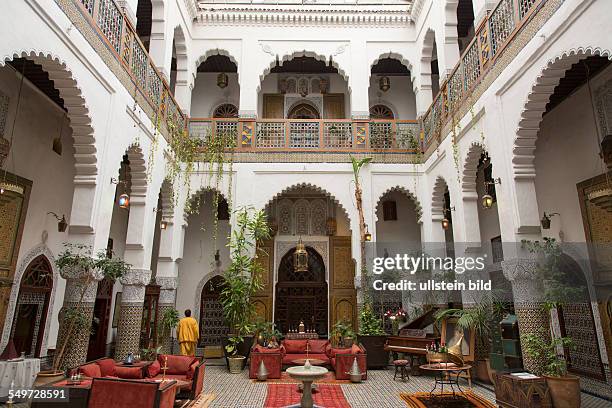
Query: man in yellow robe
188, 334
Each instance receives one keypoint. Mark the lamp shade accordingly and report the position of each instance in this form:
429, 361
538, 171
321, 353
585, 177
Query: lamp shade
445, 223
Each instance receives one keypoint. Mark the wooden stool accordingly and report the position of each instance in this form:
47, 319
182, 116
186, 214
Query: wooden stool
401, 366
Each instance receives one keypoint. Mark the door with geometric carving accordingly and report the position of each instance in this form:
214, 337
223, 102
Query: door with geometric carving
342, 293
212, 323
301, 296
32, 305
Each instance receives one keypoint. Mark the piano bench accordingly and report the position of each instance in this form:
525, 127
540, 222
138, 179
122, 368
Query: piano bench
401, 366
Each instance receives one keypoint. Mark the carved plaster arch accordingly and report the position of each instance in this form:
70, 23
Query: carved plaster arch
523, 152
315, 188
470, 167
193, 196
138, 171
40, 249
408, 194
182, 58
217, 51
400, 58
84, 141
167, 200
304, 53
437, 197
426, 56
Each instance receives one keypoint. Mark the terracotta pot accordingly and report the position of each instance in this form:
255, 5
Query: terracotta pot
236, 363
564, 391
482, 371
47, 377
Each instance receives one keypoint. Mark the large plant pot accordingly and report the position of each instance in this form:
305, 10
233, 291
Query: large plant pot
482, 371
48, 376
236, 364
244, 349
377, 357
564, 391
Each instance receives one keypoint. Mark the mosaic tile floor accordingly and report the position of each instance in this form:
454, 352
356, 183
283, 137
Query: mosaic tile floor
380, 390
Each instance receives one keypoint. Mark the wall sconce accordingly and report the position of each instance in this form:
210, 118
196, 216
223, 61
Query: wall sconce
62, 224
222, 80
445, 221
367, 237
384, 83
545, 221
124, 199
487, 199
163, 224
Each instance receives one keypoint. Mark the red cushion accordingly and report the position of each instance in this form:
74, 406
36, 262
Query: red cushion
176, 364
335, 351
192, 369
128, 372
107, 367
91, 370
295, 346
186, 386
153, 369
355, 349
261, 349
318, 346
119, 394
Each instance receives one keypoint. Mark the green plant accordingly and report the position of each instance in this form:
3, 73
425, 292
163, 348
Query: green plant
150, 354
538, 347
357, 165
169, 320
77, 260
242, 279
342, 331
369, 324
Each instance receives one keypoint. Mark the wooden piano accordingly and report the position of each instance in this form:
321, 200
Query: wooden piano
413, 338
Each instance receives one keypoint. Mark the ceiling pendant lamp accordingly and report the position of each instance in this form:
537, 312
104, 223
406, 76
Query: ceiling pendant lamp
487, 201
300, 257
384, 83
222, 80
124, 201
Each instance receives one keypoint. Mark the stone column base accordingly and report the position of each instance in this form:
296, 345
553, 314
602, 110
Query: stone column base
128, 330
75, 351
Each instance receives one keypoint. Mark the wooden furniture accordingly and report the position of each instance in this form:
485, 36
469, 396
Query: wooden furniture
148, 327
512, 391
300, 336
443, 375
77, 395
413, 339
401, 367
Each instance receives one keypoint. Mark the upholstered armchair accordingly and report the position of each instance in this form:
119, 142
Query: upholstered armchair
272, 359
342, 361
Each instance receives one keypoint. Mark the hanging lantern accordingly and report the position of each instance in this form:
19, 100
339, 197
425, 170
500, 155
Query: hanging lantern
367, 237
545, 221
124, 201
487, 201
445, 223
384, 83
300, 257
163, 224
222, 80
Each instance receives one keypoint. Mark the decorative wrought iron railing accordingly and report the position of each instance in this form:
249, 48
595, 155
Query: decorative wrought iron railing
492, 35
120, 36
329, 135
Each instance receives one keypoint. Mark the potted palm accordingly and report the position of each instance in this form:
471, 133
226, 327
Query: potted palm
373, 337
242, 279
564, 388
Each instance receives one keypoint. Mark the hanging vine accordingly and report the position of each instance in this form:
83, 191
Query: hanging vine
456, 127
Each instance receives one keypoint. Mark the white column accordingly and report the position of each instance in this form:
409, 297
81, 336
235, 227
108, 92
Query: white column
359, 81
480, 9
249, 79
160, 44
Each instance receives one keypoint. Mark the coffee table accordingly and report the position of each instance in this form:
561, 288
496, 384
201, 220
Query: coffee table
443, 375
307, 374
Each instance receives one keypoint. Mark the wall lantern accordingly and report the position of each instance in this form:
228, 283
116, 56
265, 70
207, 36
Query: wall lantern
487, 199
124, 199
222, 80
300, 257
545, 221
62, 224
163, 224
384, 83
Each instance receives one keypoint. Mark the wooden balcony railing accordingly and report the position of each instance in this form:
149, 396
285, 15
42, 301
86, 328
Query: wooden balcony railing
329, 135
492, 36
120, 36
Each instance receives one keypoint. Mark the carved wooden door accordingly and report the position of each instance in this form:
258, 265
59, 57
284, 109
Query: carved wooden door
274, 106
333, 106
343, 295
212, 323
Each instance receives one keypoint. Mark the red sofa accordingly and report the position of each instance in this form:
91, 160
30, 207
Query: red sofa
118, 393
296, 349
341, 361
184, 368
107, 368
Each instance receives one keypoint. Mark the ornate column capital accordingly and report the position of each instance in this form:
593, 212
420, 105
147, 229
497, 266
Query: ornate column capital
526, 280
168, 285
134, 283
78, 273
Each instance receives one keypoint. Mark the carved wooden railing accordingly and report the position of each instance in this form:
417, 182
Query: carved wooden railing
328, 135
120, 36
492, 35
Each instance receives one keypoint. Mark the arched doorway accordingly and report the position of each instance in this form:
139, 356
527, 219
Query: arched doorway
99, 324
212, 323
303, 111
32, 304
301, 296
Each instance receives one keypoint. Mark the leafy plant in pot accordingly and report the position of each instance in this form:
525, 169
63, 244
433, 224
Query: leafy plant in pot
83, 269
342, 334
242, 279
373, 337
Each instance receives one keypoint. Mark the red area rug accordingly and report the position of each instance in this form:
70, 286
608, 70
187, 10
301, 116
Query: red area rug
446, 400
282, 395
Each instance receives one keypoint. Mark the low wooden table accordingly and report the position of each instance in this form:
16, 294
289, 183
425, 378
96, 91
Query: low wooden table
443, 375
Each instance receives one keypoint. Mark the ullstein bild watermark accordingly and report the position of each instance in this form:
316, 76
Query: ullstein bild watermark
404, 263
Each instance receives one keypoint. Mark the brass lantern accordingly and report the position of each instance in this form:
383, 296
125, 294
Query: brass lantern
384, 83
300, 257
124, 201
445, 223
222, 80
487, 201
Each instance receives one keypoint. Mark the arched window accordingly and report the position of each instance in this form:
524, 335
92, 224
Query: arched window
381, 112
227, 110
32, 305
303, 111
